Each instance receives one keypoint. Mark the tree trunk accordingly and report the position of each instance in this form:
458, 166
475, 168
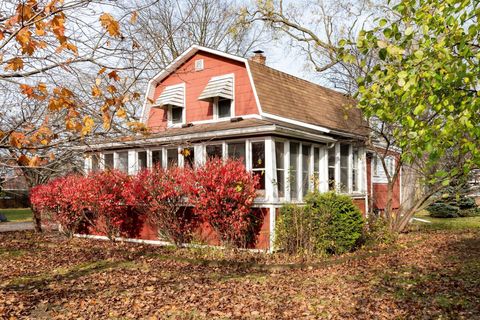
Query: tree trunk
37, 220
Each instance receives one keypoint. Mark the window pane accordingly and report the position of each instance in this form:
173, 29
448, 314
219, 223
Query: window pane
95, 162
305, 168
189, 157
142, 160
214, 151
355, 169
258, 155
316, 159
157, 158
123, 161
280, 154
177, 115
331, 169
224, 108
261, 175
109, 161
280, 161
292, 176
237, 151
172, 157
344, 150
281, 183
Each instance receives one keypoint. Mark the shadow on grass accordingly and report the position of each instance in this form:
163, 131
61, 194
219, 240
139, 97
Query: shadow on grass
41, 281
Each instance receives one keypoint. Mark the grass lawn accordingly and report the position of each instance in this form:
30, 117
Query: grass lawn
447, 223
427, 274
17, 214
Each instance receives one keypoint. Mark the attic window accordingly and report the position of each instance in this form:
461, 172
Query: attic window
199, 65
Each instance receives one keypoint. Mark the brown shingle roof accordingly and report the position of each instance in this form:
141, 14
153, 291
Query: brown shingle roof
290, 97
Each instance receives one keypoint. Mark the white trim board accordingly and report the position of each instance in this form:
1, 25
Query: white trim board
162, 243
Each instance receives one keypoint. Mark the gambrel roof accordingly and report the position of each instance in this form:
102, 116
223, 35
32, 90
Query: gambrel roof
283, 97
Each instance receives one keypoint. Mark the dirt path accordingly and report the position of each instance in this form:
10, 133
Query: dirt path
15, 226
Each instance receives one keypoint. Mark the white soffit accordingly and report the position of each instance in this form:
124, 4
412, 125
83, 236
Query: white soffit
172, 95
218, 87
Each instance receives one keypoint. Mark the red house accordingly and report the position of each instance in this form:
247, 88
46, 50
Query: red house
296, 134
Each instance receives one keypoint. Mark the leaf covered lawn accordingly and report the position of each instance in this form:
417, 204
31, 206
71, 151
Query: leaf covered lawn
426, 275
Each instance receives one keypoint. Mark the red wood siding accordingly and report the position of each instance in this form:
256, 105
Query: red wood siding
195, 82
380, 195
205, 234
360, 203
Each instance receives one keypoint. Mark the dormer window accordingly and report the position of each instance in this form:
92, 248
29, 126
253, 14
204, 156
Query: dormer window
176, 115
172, 99
223, 108
219, 90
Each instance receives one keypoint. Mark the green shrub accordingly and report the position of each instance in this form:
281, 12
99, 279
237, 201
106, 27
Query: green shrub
443, 210
466, 203
294, 230
471, 212
328, 223
377, 231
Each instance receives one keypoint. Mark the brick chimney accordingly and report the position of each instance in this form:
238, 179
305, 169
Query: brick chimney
258, 57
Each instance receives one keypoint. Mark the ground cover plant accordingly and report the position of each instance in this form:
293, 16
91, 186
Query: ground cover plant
426, 275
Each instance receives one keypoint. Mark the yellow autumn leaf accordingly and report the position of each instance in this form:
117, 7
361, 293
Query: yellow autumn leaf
14, 64
110, 24
121, 113
133, 17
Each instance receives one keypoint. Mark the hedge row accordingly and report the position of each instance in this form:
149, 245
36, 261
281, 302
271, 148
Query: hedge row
174, 200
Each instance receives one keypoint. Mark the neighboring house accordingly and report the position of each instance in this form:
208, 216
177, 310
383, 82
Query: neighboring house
296, 135
13, 188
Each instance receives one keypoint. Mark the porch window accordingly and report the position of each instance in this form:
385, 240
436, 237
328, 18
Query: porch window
157, 158
172, 157
214, 151
142, 160
258, 163
344, 154
189, 157
108, 161
95, 162
331, 168
236, 150
280, 156
122, 162
292, 174
355, 176
316, 168
305, 169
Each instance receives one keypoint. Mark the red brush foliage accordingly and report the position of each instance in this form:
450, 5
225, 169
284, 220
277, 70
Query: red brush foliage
101, 200
61, 201
223, 194
110, 201
115, 204
162, 195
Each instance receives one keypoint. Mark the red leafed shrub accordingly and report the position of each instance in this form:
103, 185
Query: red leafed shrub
110, 204
62, 201
162, 195
103, 201
223, 194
